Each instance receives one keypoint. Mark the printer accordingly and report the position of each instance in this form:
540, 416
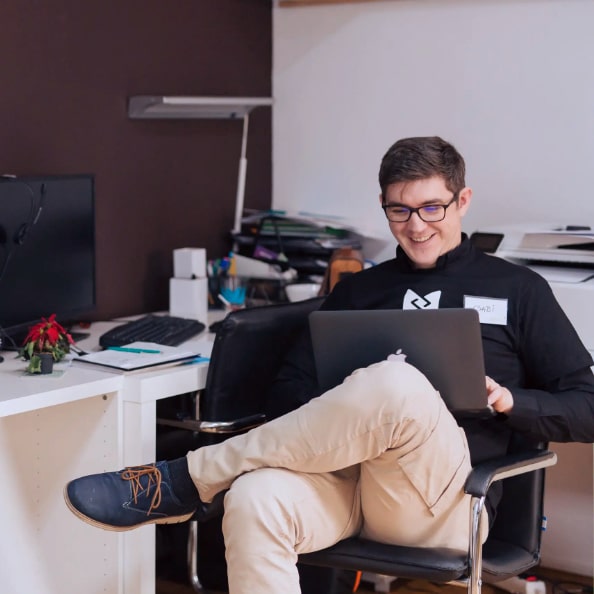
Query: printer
563, 255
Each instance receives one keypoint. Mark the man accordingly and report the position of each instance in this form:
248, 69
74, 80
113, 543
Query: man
379, 455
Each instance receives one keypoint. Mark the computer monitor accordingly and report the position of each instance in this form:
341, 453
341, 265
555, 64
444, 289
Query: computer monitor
47, 251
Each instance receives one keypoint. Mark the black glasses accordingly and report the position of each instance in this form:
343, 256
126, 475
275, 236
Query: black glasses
431, 213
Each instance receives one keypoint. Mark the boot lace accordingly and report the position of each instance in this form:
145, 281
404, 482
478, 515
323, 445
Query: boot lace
152, 477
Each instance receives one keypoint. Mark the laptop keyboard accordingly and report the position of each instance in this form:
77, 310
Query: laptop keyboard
166, 330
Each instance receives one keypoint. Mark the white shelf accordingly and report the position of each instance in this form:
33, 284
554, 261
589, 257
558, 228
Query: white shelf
183, 107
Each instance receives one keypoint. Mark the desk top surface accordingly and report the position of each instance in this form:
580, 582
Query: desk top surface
21, 392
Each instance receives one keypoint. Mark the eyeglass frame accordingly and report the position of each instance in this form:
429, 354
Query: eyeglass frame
417, 210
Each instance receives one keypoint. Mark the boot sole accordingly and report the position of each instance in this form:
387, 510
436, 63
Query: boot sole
112, 528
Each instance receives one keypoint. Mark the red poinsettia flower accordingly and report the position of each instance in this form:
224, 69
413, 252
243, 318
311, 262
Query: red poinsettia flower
48, 336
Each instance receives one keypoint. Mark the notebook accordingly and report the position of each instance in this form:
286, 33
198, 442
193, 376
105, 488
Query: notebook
137, 356
444, 344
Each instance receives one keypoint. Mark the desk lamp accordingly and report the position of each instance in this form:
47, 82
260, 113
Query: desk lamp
182, 107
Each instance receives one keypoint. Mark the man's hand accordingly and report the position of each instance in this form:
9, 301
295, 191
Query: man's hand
498, 397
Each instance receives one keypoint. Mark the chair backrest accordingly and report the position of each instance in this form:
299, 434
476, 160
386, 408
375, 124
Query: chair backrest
248, 350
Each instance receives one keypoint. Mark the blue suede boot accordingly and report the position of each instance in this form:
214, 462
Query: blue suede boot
133, 497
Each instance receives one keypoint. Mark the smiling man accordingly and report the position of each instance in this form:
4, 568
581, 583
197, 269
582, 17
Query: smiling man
424, 213
379, 455
429, 234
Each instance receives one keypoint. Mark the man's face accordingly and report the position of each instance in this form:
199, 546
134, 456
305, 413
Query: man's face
424, 242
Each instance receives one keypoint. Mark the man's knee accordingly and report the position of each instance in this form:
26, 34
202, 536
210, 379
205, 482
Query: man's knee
395, 386
256, 502
255, 493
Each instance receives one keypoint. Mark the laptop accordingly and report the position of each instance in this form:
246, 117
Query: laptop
444, 344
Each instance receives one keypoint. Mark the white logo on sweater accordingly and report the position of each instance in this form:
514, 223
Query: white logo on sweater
414, 301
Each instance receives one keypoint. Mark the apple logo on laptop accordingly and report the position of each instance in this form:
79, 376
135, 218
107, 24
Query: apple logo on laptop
398, 356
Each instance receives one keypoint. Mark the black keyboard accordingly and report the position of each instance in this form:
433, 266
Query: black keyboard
167, 330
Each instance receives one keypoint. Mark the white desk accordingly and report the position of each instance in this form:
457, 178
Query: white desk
53, 429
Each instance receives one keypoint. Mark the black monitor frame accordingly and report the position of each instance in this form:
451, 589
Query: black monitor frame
47, 251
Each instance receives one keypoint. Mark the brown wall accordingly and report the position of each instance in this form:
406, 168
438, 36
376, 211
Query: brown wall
68, 67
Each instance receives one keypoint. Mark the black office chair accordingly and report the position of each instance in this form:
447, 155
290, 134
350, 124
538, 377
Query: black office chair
248, 351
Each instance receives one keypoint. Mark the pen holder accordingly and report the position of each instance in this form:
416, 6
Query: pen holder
232, 292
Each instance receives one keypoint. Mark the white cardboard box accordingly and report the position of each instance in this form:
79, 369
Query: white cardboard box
188, 298
189, 263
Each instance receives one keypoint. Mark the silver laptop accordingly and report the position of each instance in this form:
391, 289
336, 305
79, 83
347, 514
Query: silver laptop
444, 344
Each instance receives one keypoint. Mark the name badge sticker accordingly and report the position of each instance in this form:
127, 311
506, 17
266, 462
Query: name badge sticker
490, 309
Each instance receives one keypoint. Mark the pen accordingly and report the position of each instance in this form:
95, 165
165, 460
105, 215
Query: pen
130, 350
224, 301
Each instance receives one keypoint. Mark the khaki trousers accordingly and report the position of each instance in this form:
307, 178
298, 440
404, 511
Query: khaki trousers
379, 456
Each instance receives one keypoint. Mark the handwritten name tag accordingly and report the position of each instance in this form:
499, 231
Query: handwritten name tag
491, 310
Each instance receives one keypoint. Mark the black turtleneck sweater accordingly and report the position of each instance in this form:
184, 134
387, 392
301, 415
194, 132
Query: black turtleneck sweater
535, 352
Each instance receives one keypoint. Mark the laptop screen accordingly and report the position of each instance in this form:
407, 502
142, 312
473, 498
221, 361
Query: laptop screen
444, 344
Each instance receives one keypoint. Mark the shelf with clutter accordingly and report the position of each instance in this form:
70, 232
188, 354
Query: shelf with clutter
303, 242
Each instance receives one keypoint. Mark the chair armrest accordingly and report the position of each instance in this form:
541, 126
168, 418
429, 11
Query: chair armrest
222, 427
482, 475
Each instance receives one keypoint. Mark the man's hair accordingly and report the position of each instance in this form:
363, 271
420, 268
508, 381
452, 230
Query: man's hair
411, 159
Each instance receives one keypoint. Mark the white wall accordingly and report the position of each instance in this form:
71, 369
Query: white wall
509, 82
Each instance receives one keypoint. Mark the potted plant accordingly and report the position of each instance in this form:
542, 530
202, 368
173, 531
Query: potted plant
46, 342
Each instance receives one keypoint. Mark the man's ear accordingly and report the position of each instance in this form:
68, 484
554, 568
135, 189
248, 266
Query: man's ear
381, 199
464, 200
